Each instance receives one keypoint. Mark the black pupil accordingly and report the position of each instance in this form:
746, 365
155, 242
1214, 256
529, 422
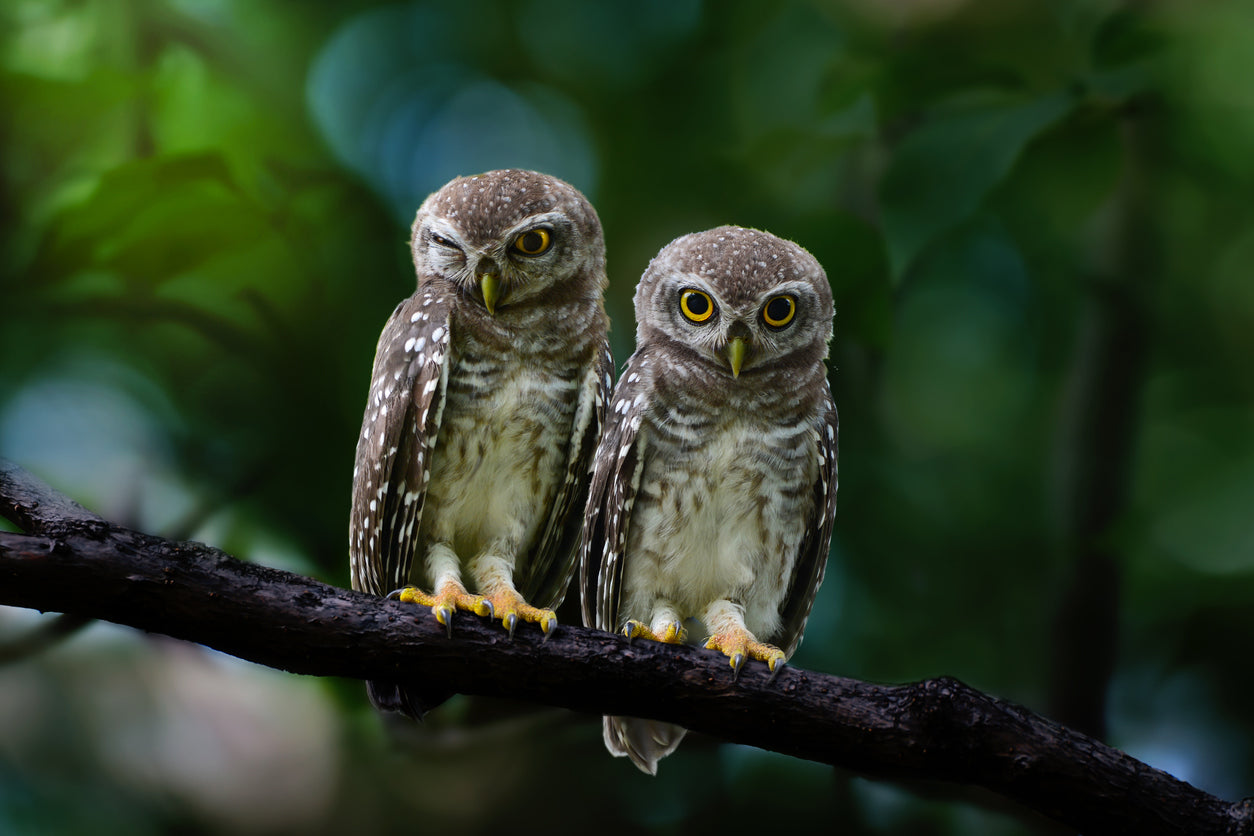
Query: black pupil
778, 309
698, 304
532, 241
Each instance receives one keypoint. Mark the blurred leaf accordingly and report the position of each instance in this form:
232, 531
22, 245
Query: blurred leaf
59, 117
1125, 38
1194, 497
152, 219
944, 169
852, 254
1050, 213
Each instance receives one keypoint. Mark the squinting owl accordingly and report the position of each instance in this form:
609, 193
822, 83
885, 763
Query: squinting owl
485, 407
715, 482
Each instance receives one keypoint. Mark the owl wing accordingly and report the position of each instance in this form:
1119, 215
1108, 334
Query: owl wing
398, 433
812, 557
556, 554
615, 480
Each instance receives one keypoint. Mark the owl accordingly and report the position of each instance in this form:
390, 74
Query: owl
714, 486
485, 406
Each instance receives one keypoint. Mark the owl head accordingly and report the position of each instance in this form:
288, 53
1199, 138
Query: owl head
741, 300
507, 238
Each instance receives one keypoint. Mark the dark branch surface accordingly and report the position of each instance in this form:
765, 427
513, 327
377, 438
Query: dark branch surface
38, 508
72, 562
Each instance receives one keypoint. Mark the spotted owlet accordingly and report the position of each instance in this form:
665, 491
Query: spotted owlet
485, 406
715, 482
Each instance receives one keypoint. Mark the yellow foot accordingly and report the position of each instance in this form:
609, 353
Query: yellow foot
510, 607
673, 634
447, 599
738, 644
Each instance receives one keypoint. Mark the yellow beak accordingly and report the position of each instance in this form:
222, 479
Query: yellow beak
736, 354
491, 287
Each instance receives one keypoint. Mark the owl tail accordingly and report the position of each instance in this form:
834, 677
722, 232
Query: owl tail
410, 700
644, 741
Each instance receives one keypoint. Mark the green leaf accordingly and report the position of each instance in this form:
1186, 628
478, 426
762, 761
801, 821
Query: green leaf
152, 219
941, 173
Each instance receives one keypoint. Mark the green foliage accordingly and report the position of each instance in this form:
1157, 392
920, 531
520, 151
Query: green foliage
942, 171
205, 213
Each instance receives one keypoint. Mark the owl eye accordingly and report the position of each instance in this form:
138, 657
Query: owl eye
779, 311
439, 239
696, 305
533, 242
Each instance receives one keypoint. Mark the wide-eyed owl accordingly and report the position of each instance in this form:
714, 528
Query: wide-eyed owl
484, 410
714, 486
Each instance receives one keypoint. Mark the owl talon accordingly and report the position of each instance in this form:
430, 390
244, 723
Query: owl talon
673, 634
450, 598
513, 610
634, 628
739, 645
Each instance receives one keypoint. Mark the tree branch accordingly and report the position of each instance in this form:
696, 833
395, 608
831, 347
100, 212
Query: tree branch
70, 561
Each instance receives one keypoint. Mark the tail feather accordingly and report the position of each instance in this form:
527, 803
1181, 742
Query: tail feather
409, 699
644, 741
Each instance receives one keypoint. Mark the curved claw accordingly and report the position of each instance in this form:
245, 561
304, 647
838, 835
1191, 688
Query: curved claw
634, 628
395, 594
775, 665
548, 626
737, 661
444, 615
510, 620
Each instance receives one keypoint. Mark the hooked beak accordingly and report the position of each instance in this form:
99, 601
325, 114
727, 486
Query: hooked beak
491, 287
736, 350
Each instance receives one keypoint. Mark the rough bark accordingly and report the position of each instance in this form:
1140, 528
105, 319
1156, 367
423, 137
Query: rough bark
73, 562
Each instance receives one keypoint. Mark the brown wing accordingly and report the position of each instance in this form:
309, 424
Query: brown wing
394, 449
615, 480
812, 558
556, 555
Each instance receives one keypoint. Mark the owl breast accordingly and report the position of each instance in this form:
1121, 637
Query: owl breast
722, 519
499, 454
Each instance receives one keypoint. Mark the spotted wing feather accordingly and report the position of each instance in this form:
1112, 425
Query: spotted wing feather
394, 450
556, 554
812, 558
615, 481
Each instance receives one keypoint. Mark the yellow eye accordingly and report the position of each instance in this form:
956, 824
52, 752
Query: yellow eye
696, 305
533, 242
779, 311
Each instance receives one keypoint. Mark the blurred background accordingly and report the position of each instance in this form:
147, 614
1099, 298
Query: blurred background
1036, 218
